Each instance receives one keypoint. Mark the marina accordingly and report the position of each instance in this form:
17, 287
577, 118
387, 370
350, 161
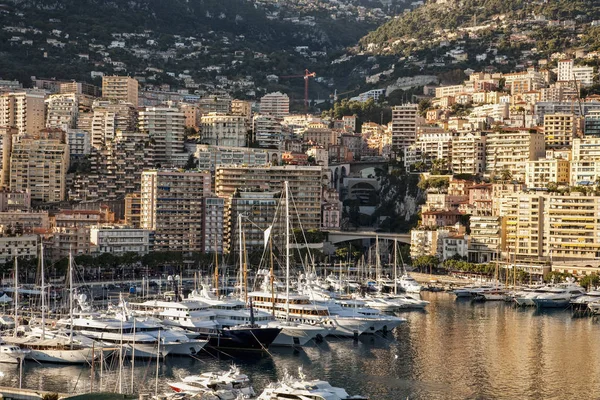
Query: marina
455, 349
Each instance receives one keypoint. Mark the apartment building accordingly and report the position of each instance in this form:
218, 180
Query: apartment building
210, 157
485, 239
567, 71
276, 104
213, 224
405, 119
427, 242
18, 246
23, 110
192, 115
220, 104
540, 172
172, 206
224, 130
257, 209
523, 216
511, 149
305, 186
11, 201
80, 143
468, 153
120, 239
432, 143
62, 111
39, 164
165, 127
560, 129
133, 210
116, 169
7, 136
243, 108
120, 88
268, 131
17, 222
107, 118
321, 136
71, 231
591, 124
585, 163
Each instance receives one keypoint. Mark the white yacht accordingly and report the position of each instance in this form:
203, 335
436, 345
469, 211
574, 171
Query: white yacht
139, 338
231, 312
220, 385
54, 350
558, 297
300, 388
524, 298
12, 354
409, 284
580, 304
201, 321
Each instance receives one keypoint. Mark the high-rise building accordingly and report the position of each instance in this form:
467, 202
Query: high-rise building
276, 104
7, 136
468, 153
62, 111
121, 88
257, 211
108, 118
213, 226
305, 186
71, 230
220, 104
560, 129
210, 157
79, 88
79, 142
24, 110
404, 125
120, 239
165, 127
511, 149
133, 209
39, 164
172, 207
224, 130
268, 131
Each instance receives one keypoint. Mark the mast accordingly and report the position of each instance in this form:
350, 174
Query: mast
133, 356
272, 275
377, 260
287, 252
120, 357
240, 245
395, 266
216, 269
43, 291
71, 298
16, 278
157, 365
245, 268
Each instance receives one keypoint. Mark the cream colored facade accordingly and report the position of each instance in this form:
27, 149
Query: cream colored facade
468, 153
485, 239
224, 130
172, 206
268, 131
24, 110
165, 127
523, 230
39, 164
276, 104
543, 171
511, 149
431, 144
62, 111
560, 129
321, 136
109, 117
585, 164
121, 88
19, 246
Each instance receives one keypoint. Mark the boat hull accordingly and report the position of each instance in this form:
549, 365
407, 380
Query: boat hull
80, 356
551, 303
242, 338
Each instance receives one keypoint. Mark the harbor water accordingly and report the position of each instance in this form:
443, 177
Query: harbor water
453, 350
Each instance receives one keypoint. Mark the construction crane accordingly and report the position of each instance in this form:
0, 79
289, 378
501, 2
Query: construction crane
307, 74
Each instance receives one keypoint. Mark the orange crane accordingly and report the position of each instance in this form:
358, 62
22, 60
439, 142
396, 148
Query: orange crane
307, 74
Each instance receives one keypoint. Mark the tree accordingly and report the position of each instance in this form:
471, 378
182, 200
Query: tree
191, 163
590, 281
425, 262
505, 175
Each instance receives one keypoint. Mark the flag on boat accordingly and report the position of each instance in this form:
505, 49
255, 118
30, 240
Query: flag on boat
267, 234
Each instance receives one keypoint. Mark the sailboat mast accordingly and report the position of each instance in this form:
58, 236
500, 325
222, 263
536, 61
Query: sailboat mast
43, 291
377, 260
395, 266
245, 268
16, 278
216, 269
240, 245
287, 251
272, 275
71, 297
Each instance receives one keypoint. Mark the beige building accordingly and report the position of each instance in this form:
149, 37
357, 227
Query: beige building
39, 164
511, 149
121, 88
20, 246
165, 127
224, 130
133, 210
7, 136
268, 131
213, 224
192, 115
585, 164
560, 129
321, 136
24, 110
485, 239
305, 184
432, 143
523, 216
276, 104
62, 111
109, 117
540, 172
404, 125
120, 239
71, 231
172, 206
468, 153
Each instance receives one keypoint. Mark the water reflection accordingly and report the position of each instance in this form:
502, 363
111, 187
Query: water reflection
454, 350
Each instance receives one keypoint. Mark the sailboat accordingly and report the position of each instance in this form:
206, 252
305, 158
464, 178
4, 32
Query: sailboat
46, 346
